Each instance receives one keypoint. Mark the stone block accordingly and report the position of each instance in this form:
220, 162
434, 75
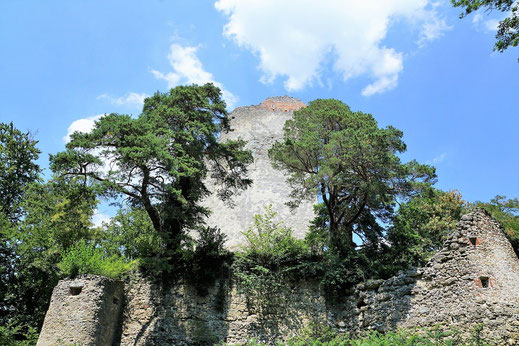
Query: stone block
84, 311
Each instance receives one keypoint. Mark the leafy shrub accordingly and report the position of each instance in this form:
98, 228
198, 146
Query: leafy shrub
317, 334
321, 335
131, 234
271, 241
207, 262
16, 336
340, 273
84, 258
271, 257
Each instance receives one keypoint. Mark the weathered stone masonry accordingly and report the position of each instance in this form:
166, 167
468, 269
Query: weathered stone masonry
473, 280
260, 126
85, 311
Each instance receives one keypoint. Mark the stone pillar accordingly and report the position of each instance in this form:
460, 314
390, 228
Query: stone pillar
83, 311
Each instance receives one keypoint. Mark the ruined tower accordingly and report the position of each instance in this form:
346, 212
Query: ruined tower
260, 126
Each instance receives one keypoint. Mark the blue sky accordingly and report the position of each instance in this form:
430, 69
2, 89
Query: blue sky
412, 64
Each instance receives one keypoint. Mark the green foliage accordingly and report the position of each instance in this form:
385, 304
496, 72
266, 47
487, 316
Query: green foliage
352, 164
339, 271
263, 287
422, 224
271, 241
8, 263
17, 168
316, 334
130, 234
83, 258
209, 260
161, 159
56, 215
342, 272
271, 257
508, 30
506, 212
15, 336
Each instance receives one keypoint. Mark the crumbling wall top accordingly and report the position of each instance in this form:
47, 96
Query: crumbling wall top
283, 103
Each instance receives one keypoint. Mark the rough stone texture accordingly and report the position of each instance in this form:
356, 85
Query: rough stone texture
282, 103
448, 292
260, 126
473, 280
179, 316
84, 311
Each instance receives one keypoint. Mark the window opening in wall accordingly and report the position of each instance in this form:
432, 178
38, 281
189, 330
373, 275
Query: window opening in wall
484, 281
473, 240
75, 290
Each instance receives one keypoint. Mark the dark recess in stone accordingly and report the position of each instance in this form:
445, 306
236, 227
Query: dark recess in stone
75, 290
361, 303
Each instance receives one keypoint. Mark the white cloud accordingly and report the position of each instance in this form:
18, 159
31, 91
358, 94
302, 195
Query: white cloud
294, 38
489, 25
478, 17
99, 218
131, 99
188, 69
81, 125
438, 159
433, 26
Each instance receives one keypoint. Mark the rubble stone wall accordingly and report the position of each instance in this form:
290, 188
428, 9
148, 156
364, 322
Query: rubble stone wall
473, 281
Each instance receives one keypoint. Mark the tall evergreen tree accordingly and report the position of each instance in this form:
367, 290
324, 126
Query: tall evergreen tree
351, 163
159, 160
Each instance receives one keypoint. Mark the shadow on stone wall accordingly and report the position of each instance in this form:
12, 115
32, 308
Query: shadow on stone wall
175, 315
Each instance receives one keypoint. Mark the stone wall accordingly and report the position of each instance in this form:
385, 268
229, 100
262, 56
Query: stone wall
472, 281
84, 311
260, 126
282, 103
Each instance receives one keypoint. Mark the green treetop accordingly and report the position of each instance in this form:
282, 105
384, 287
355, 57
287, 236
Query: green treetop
17, 168
508, 30
351, 163
422, 224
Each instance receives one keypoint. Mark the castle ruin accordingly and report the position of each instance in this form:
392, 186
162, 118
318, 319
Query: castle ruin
473, 281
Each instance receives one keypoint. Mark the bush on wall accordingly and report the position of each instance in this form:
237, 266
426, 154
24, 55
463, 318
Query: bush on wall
84, 258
